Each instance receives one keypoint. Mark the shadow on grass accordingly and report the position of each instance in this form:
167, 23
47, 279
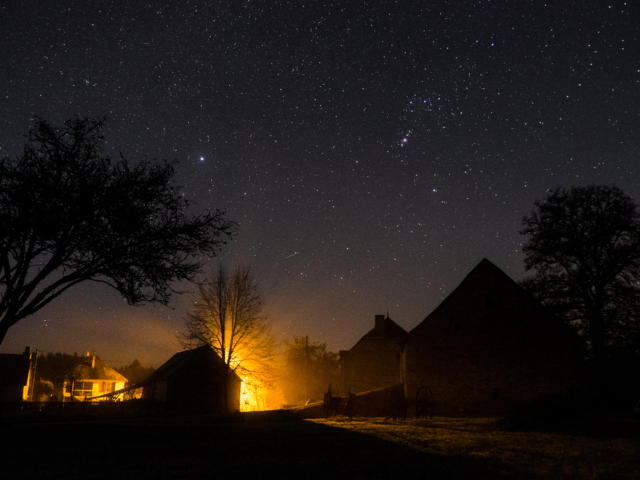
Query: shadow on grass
279, 445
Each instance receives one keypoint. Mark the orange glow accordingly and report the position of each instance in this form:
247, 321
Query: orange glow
252, 395
253, 392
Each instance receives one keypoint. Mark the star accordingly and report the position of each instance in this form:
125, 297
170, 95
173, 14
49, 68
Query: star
264, 124
405, 139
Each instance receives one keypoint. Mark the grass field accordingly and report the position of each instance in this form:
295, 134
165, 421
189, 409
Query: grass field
599, 453
280, 445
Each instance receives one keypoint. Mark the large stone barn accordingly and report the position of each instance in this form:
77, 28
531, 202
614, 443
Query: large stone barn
193, 381
488, 349
375, 360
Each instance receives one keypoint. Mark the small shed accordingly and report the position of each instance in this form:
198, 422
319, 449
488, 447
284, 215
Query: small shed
489, 348
375, 360
193, 381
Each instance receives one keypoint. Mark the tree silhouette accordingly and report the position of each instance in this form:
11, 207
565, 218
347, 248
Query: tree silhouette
308, 369
228, 317
69, 214
135, 372
584, 245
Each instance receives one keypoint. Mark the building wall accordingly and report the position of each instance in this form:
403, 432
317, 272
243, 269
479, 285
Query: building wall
84, 388
469, 377
489, 349
375, 360
195, 392
372, 364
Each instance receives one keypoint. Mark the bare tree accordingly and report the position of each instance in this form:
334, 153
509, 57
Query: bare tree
228, 316
70, 214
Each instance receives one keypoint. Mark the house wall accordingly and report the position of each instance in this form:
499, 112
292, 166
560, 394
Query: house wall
100, 387
87, 388
371, 364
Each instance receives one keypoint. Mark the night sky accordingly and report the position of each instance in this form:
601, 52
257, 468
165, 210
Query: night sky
371, 152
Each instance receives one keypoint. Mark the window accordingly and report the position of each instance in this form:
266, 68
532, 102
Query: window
83, 389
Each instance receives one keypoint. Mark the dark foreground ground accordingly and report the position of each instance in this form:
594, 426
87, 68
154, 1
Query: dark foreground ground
280, 445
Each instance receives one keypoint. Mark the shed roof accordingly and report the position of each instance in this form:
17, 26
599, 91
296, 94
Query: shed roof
189, 359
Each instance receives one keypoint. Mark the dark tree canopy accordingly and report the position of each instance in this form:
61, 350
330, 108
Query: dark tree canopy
69, 214
584, 245
135, 372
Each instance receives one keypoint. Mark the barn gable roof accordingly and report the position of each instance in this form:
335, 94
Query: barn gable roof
486, 291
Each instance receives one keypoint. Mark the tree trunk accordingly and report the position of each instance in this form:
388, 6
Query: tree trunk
598, 350
597, 333
225, 388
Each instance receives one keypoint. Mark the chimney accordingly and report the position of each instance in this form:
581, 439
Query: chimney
379, 322
92, 356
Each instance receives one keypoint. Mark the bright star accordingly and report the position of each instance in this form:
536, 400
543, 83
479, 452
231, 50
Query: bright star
404, 140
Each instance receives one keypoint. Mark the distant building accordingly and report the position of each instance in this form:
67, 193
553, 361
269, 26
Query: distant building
375, 360
193, 381
17, 376
91, 377
489, 348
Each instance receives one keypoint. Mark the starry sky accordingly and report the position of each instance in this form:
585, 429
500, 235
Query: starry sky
372, 152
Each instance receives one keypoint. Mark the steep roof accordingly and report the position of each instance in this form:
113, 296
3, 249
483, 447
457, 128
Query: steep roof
188, 359
99, 371
384, 329
486, 290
